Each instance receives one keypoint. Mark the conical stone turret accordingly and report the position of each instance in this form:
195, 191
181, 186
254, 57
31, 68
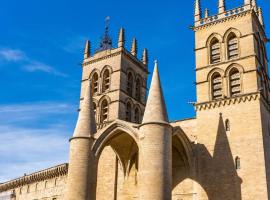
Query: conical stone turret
80, 158
155, 166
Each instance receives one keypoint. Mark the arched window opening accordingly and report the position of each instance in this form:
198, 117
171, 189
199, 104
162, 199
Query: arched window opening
137, 116
216, 86
130, 84
128, 112
138, 89
227, 125
106, 81
94, 84
237, 163
95, 109
215, 51
104, 111
233, 47
235, 86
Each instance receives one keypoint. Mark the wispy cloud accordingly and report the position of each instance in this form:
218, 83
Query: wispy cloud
35, 66
12, 55
28, 64
26, 149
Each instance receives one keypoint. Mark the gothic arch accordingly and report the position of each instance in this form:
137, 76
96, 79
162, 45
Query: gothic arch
229, 31
210, 74
93, 72
211, 37
112, 130
234, 65
108, 69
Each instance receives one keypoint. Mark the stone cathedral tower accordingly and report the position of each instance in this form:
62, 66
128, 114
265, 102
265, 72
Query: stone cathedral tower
233, 100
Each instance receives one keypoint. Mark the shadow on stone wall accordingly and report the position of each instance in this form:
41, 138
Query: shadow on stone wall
216, 174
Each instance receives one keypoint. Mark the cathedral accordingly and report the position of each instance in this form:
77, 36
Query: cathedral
125, 148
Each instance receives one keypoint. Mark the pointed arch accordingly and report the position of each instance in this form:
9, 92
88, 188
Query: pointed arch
106, 78
129, 106
112, 130
94, 79
138, 88
104, 109
130, 82
137, 114
232, 40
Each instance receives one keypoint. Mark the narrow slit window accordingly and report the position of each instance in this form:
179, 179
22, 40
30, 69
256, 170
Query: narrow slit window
104, 111
235, 85
233, 49
128, 112
94, 84
138, 89
130, 84
137, 115
216, 86
106, 81
215, 51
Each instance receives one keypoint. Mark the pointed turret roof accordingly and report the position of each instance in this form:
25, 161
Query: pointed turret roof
134, 48
86, 124
155, 110
121, 38
87, 49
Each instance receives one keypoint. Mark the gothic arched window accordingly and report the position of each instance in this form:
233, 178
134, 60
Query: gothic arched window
95, 109
138, 89
104, 111
216, 86
94, 84
128, 112
232, 46
237, 163
215, 51
227, 125
235, 85
137, 115
130, 84
106, 80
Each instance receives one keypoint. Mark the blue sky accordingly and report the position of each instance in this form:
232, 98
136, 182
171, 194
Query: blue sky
41, 48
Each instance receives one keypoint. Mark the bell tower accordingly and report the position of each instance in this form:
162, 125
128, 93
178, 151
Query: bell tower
118, 80
233, 94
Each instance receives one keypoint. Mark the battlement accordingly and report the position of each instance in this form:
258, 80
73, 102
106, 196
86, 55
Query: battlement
224, 14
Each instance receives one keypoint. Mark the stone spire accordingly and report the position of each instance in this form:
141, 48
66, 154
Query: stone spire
206, 13
197, 13
134, 49
121, 39
145, 57
254, 3
155, 110
260, 15
87, 49
221, 6
247, 2
86, 124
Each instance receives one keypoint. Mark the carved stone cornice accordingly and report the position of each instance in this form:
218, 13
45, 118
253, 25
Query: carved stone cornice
227, 102
52, 172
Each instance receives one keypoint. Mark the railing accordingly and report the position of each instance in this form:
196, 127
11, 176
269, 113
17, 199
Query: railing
227, 13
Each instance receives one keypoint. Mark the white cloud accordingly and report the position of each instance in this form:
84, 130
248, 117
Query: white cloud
26, 149
12, 55
35, 66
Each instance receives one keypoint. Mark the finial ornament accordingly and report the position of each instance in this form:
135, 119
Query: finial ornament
254, 3
106, 41
197, 13
121, 39
260, 15
206, 13
134, 49
221, 6
145, 57
87, 50
247, 2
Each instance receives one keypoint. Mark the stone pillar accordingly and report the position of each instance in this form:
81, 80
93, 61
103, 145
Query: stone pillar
155, 162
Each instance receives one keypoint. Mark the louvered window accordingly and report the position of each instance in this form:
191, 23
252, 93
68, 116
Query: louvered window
215, 51
233, 51
130, 84
95, 109
104, 111
216, 86
235, 86
106, 81
128, 112
137, 115
138, 89
94, 84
